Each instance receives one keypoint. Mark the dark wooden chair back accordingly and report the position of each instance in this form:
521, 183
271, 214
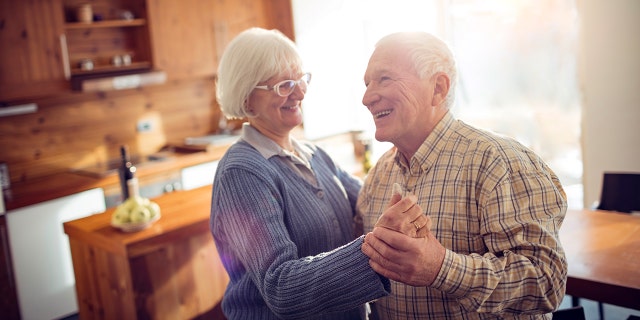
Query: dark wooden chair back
573, 313
620, 192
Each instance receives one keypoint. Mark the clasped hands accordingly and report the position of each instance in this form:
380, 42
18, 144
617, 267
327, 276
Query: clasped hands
401, 246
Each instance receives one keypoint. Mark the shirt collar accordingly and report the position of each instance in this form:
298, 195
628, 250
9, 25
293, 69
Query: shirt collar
268, 148
427, 153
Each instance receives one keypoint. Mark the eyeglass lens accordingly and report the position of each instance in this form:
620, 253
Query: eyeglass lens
286, 87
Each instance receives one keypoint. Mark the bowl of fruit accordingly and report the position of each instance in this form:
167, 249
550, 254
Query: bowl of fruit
135, 214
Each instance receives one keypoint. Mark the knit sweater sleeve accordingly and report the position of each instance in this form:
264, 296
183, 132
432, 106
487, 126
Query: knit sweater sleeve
250, 226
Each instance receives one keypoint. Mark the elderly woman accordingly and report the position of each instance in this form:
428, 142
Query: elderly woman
282, 211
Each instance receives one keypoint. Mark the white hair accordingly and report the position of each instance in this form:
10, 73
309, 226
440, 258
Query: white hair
429, 55
253, 56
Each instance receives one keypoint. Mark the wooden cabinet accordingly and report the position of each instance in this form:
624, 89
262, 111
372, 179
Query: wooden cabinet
168, 271
189, 36
184, 37
235, 16
8, 297
110, 46
32, 58
115, 40
44, 45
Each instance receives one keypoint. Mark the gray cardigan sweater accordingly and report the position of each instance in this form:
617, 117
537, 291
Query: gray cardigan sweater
288, 246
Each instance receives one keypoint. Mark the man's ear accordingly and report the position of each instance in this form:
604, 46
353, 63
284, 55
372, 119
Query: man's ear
440, 88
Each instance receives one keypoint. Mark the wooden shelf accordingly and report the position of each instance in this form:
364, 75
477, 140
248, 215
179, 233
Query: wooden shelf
105, 24
120, 82
100, 69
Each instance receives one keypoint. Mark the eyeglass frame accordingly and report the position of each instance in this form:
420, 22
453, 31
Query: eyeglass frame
276, 87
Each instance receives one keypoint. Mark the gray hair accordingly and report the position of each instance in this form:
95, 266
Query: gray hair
253, 56
429, 55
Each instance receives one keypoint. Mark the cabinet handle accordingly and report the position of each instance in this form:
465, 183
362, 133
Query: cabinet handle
65, 56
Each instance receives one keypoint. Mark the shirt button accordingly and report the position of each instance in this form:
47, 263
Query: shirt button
320, 194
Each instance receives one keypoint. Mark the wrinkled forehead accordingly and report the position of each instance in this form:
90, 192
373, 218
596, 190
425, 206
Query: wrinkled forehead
388, 59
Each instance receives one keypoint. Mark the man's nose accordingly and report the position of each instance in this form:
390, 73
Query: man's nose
369, 97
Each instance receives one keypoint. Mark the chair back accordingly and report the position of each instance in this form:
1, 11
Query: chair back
573, 313
620, 192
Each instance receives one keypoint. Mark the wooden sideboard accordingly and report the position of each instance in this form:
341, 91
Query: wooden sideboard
169, 271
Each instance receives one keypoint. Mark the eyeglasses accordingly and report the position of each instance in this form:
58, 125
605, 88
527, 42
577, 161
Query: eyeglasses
286, 87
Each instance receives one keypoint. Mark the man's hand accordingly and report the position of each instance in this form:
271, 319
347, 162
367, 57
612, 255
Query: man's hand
413, 261
404, 215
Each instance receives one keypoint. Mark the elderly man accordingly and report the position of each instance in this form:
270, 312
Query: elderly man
492, 249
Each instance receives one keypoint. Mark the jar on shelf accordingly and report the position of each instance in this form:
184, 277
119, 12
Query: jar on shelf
84, 13
86, 64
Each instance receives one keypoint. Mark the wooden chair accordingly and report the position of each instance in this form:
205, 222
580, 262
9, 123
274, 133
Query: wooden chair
573, 313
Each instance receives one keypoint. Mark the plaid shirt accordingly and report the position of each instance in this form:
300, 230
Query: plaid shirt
496, 207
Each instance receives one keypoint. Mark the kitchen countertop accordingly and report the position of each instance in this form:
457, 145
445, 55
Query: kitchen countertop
173, 223
63, 184
73, 181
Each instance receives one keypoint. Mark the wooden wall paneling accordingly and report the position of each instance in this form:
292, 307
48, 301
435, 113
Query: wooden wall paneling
233, 17
183, 37
85, 130
280, 16
188, 111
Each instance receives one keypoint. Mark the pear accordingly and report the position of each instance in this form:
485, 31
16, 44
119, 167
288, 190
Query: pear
136, 209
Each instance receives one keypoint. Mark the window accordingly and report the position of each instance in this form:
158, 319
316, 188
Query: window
517, 68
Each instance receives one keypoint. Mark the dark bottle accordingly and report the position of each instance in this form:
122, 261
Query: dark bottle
127, 173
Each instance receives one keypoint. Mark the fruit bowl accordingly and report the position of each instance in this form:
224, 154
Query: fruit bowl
135, 226
135, 214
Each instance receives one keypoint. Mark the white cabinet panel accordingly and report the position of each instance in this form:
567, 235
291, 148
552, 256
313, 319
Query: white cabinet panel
199, 175
41, 254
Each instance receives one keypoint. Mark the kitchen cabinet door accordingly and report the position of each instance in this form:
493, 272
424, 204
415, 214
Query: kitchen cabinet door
41, 253
183, 37
33, 56
235, 16
189, 36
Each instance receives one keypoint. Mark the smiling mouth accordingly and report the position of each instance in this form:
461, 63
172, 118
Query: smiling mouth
382, 114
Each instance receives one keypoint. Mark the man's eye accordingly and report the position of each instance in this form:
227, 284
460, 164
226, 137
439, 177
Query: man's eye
383, 79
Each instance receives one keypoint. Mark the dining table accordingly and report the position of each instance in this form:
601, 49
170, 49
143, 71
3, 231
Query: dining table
603, 254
